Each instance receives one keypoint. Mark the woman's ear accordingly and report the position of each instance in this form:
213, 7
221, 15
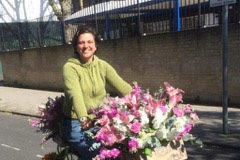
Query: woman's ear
96, 49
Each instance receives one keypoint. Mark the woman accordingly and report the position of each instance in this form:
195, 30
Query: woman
85, 77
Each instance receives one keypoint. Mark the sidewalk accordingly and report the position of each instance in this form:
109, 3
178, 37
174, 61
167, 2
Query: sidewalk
209, 129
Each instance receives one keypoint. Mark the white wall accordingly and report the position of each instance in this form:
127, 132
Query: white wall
24, 10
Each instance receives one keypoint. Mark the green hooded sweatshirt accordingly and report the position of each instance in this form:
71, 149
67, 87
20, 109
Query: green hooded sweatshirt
84, 85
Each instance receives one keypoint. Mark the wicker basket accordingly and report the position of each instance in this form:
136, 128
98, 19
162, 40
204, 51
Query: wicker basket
174, 150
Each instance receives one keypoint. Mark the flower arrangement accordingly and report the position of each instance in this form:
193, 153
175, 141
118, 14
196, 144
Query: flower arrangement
141, 122
50, 114
137, 123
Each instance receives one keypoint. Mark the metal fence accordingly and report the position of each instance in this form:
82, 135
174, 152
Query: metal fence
117, 19
124, 18
38, 33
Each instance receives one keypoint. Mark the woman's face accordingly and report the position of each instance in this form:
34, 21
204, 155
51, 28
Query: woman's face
86, 47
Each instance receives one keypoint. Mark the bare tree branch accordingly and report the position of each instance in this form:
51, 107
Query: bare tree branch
56, 9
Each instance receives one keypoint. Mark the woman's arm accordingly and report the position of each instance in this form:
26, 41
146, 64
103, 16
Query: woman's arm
73, 89
116, 81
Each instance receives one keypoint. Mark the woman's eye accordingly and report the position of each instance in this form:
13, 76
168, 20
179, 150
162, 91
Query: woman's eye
90, 42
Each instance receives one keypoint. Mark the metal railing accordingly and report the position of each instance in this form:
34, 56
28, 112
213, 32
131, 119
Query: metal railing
118, 19
41, 32
126, 18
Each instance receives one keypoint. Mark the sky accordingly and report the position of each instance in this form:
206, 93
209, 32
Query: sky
23, 10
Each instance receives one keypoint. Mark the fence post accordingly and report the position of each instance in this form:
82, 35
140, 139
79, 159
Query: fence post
225, 66
62, 23
199, 13
95, 16
176, 18
19, 36
107, 26
39, 34
139, 19
2, 38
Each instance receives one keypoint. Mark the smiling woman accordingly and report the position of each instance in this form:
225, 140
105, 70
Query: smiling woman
86, 47
85, 77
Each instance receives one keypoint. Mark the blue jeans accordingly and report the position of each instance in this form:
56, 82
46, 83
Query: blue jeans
77, 139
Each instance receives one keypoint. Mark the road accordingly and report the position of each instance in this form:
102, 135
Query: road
19, 141
211, 152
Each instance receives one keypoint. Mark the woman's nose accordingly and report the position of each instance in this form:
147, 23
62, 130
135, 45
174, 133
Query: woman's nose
85, 45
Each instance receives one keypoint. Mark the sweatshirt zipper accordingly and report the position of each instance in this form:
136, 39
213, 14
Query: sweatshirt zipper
90, 72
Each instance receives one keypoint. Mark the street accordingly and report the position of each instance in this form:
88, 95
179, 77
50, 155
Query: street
211, 152
19, 141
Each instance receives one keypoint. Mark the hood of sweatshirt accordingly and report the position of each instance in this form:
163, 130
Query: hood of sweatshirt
75, 59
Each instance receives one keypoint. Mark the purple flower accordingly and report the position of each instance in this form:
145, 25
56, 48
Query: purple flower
135, 127
115, 153
187, 108
178, 112
109, 154
133, 145
187, 128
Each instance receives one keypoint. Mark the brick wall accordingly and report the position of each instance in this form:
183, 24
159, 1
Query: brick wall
190, 60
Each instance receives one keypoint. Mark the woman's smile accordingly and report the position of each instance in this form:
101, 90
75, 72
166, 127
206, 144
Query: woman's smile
86, 47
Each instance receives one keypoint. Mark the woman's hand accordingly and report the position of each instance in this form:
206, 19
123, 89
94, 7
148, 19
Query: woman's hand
86, 123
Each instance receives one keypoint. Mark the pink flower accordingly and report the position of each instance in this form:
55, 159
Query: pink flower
187, 128
106, 136
111, 112
135, 127
164, 108
123, 116
187, 108
34, 122
136, 90
152, 106
136, 114
194, 116
147, 97
175, 95
133, 145
109, 153
178, 112
104, 120
175, 99
115, 153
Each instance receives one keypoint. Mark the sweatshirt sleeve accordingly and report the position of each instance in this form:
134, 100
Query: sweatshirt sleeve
73, 89
116, 81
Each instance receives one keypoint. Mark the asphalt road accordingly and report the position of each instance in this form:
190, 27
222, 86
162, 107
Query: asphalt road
19, 141
212, 152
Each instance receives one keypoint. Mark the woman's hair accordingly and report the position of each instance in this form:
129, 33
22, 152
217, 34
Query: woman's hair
82, 29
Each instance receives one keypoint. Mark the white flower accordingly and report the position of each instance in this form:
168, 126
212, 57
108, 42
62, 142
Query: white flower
162, 132
159, 117
141, 143
119, 125
144, 117
179, 123
172, 134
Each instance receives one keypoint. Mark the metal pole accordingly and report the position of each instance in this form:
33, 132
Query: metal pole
177, 20
95, 16
62, 23
199, 14
225, 67
39, 35
139, 18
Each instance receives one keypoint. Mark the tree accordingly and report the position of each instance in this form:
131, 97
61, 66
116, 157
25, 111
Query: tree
62, 9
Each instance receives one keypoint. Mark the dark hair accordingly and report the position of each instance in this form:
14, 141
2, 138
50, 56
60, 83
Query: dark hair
80, 30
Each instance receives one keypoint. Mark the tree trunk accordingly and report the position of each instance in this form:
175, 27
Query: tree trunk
63, 11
